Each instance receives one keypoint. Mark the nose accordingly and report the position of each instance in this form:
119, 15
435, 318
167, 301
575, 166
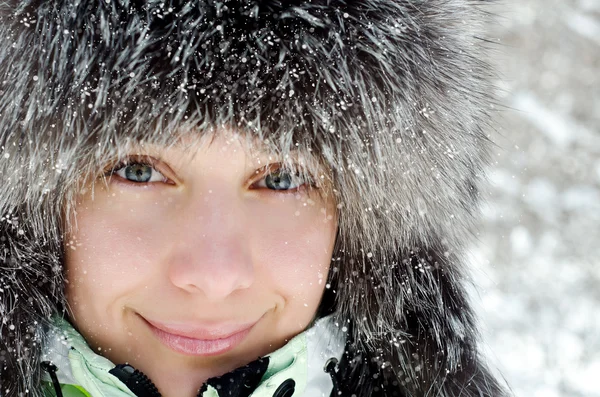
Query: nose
211, 255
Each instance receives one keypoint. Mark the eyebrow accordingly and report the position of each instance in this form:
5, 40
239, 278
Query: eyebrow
257, 149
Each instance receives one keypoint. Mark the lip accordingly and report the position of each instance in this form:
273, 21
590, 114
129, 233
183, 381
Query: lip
197, 340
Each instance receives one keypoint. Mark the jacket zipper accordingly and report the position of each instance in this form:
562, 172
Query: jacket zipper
135, 380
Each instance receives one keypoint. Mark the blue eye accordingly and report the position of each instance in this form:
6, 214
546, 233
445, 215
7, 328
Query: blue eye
138, 172
281, 180
278, 181
143, 171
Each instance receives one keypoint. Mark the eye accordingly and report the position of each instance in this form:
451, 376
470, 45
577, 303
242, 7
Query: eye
281, 179
138, 171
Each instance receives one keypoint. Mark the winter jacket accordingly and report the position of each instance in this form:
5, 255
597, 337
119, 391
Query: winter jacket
299, 368
393, 95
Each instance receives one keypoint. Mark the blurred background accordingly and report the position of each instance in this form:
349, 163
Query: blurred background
537, 261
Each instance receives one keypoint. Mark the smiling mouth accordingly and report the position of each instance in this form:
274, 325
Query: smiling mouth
193, 340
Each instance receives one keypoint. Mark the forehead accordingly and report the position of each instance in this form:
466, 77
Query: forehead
188, 144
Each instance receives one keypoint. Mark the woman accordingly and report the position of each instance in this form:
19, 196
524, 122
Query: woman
240, 198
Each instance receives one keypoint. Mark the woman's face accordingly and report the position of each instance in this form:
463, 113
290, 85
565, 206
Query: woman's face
228, 258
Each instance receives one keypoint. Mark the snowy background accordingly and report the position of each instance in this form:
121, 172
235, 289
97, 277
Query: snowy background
537, 261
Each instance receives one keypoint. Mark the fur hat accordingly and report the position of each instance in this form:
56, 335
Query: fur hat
393, 95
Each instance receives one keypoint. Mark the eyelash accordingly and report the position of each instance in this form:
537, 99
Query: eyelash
151, 162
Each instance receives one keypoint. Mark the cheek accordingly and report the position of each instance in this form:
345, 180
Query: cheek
294, 247
110, 253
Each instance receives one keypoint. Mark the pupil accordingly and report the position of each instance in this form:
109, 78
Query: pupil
278, 181
138, 173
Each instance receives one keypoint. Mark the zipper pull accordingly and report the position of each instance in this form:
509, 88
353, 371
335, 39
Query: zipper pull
135, 380
51, 369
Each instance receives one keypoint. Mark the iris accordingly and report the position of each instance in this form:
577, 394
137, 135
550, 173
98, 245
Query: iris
138, 172
278, 180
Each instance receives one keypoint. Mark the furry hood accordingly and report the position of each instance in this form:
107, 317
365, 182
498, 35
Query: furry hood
392, 95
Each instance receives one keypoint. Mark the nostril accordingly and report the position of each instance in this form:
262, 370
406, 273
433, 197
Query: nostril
215, 276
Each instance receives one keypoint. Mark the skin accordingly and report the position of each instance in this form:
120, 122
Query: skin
210, 245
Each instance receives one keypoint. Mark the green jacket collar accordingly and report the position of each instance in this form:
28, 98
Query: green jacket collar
302, 360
